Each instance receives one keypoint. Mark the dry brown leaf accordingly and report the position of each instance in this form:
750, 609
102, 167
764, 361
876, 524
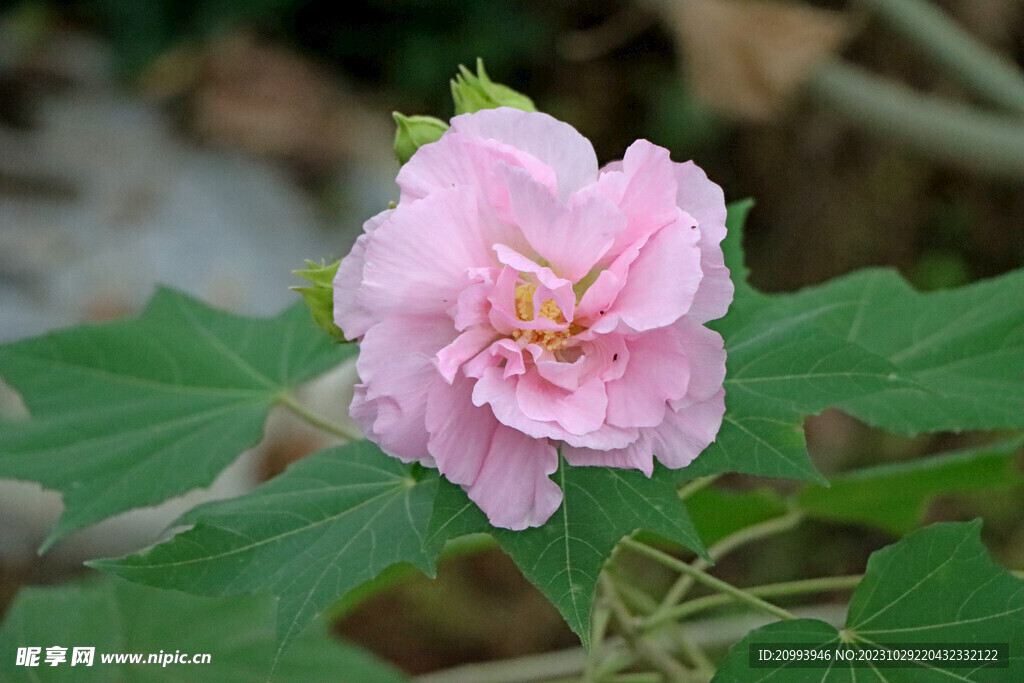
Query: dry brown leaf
746, 58
266, 99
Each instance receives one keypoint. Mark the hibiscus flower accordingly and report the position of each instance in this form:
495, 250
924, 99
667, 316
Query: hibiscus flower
518, 301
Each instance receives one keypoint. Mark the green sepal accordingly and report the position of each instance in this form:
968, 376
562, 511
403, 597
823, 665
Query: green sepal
475, 92
415, 131
320, 296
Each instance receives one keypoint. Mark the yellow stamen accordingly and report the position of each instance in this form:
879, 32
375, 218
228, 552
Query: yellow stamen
551, 340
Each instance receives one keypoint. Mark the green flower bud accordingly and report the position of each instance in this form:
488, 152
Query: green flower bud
475, 92
320, 296
414, 132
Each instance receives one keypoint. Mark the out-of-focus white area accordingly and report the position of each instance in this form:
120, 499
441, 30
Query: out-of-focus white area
101, 199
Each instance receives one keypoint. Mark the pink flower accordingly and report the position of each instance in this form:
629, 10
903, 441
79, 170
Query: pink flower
518, 300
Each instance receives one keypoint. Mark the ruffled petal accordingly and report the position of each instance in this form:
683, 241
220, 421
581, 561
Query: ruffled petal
460, 161
658, 371
503, 471
644, 189
635, 456
571, 237
661, 282
419, 260
688, 428
353, 319
396, 368
556, 144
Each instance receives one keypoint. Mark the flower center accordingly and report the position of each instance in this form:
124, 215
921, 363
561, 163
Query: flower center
552, 340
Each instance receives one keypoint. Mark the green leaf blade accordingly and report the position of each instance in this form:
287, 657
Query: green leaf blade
327, 524
937, 586
564, 557
130, 413
115, 616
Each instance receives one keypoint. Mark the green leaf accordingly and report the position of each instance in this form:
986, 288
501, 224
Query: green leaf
962, 350
936, 586
868, 344
717, 514
327, 524
732, 250
117, 617
130, 413
895, 497
564, 557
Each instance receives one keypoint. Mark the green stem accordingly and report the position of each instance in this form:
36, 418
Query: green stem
657, 657
708, 580
725, 546
705, 667
944, 130
691, 487
804, 586
288, 401
952, 48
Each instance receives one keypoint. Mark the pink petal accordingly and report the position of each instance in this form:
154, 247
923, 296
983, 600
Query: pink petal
688, 428
635, 456
658, 371
703, 200
645, 191
553, 142
461, 161
503, 471
353, 319
661, 282
466, 346
396, 368
550, 286
705, 355
573, 237
577, 412
418, 261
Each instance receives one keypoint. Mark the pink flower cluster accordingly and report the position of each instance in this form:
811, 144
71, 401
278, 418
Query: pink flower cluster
519, 300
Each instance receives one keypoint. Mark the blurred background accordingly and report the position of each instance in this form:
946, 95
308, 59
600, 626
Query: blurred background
213, 146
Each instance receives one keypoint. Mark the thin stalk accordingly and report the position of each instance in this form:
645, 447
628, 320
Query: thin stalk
691, 487
944, 130
599, 628
725, 546
950, 47
658, 658
705, 667
712, 582
770, 590
288, 401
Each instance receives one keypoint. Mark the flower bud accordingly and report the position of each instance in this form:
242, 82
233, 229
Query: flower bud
320, 296
414, 132
475, 92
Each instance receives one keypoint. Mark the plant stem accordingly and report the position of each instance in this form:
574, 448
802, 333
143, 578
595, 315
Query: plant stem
949, 46
657, 657
708, 580
691, 487
942, 129
818, 585
751, 533
288, 401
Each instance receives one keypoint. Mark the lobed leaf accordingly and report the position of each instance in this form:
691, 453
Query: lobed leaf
327, 524
564, 557
936, 586
130, 413
115, 616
